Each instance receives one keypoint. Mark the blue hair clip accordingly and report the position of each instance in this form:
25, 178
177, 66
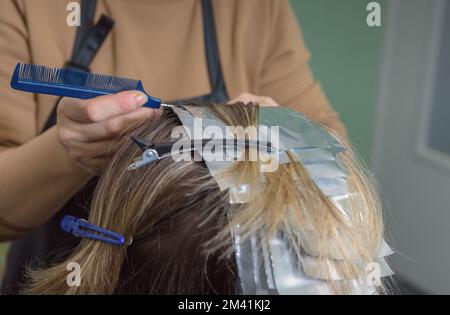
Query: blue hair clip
84, 229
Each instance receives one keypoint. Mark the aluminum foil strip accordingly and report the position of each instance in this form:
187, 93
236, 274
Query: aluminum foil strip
335, 145
320, 163
330, 178
239, 194
275, 267
328, 269
255, 274
345, 204
307, 155
308, 236
291, 279
332, 187
328, 170
308, 242
296, 131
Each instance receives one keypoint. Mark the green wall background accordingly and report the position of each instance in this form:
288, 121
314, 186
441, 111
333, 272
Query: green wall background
346, 58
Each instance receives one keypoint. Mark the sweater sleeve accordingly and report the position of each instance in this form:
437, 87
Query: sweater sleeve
37, 176
286, 75
17, 110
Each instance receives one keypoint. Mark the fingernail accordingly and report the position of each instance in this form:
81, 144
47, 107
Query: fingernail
140, 99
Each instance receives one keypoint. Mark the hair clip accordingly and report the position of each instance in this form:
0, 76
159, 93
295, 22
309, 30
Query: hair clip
84, 229
157, 151
141, 143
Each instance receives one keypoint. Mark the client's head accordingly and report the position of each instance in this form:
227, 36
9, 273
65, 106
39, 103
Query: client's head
187, 233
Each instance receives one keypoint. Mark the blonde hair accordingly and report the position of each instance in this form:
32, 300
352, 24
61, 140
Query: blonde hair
178, 219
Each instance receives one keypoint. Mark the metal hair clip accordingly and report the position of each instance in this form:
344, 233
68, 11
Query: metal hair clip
84, 229
157, 151
152, 152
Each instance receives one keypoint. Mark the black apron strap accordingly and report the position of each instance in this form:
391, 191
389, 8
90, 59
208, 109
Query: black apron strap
88, 8
91, 44
211, 44
219, 92
88, 41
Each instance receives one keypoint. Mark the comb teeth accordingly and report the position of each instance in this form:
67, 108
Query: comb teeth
75, 78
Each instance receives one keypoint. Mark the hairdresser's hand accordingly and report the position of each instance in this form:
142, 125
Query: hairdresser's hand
87, 127
251, 98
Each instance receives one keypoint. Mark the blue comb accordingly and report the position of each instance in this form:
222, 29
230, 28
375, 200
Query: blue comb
73, 83
84, 229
